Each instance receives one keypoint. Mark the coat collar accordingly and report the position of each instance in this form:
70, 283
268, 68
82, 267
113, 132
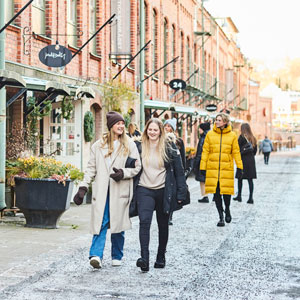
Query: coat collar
225, 130
114, 155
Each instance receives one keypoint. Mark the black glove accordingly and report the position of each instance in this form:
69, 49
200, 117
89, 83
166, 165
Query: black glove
118, 175
239, 173
203, 173
78, 198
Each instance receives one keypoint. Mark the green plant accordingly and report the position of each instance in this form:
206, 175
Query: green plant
115, 93
127, 119
40, 167
88, 126
67, 108
36, 113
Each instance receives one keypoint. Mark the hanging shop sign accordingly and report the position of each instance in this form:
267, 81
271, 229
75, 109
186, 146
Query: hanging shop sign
55, 56
211, 107
120, 32
177, 84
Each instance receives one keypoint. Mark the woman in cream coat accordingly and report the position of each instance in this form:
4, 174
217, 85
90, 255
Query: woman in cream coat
112, 189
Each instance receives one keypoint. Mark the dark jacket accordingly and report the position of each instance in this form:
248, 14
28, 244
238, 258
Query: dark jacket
249, 168
181, 148
175, 184
198, 175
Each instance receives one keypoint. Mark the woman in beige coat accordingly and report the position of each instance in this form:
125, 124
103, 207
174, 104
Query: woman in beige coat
112, 189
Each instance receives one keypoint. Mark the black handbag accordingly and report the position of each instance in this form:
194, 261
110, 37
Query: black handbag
247, 148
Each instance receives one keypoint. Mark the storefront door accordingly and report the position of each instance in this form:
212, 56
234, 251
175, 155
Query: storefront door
64, 135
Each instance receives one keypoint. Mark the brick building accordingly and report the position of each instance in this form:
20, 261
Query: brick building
210, 62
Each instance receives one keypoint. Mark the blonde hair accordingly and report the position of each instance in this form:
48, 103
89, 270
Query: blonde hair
225, 117
162, 143
108, 139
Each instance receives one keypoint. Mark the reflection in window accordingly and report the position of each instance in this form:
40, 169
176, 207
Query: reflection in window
69, 148
55, 132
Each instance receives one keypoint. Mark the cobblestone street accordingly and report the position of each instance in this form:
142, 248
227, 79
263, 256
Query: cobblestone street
255, 257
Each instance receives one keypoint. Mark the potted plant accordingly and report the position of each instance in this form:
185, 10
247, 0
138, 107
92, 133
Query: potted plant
43, 188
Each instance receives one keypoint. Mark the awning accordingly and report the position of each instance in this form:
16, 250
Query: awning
171, 106
85, 91
36, 84
11, 78
157, 104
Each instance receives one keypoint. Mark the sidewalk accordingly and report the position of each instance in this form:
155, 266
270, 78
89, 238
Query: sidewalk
24, 252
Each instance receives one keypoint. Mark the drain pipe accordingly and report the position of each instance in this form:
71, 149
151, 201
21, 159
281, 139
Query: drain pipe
2, 110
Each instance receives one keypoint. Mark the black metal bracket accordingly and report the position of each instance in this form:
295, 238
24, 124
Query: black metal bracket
132, 59
173, 60
15, 97
15, 16
109, 21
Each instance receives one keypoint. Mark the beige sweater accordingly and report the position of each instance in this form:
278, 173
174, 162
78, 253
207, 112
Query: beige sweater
153, 176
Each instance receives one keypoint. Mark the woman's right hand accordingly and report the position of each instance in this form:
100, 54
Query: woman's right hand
78, 198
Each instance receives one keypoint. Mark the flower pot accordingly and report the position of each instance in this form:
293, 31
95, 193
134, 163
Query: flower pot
42, 201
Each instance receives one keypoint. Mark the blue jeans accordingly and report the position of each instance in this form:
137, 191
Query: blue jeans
117, 239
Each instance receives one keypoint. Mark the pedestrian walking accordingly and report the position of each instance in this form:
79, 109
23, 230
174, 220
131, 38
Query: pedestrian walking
266, 147
112, 189
161, 187
219, 149
203, 130
248, 149
133, 130
170, 129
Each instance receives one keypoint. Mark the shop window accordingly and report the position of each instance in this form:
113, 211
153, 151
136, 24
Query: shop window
165, 48
93, 11
38, 16
155, 40
72, 22
173, 50
62, 134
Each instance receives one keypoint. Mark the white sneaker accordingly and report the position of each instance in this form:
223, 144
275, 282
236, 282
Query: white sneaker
95, 262
116, 263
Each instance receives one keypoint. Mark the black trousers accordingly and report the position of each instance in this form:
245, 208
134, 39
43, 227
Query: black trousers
148, 201
218, 199
251, 187
266, 157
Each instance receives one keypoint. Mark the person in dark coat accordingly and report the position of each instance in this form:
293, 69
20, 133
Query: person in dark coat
161, 187
203, 129
247, 154
170, 130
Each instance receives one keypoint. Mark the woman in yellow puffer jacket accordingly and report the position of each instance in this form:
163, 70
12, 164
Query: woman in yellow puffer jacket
219, 149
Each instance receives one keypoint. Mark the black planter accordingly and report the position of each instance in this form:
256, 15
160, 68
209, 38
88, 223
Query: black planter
42, 201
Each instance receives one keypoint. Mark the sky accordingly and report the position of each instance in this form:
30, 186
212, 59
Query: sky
269, 30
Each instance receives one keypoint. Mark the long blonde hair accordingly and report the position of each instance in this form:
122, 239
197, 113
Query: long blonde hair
162, 143
108, 139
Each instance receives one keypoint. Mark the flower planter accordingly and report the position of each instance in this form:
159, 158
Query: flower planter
42, 201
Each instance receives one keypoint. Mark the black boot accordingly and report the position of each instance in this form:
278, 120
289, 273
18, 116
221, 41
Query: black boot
160, 260
143, 262
250, 201
238, 198
227, 215
204, 200
221, 223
